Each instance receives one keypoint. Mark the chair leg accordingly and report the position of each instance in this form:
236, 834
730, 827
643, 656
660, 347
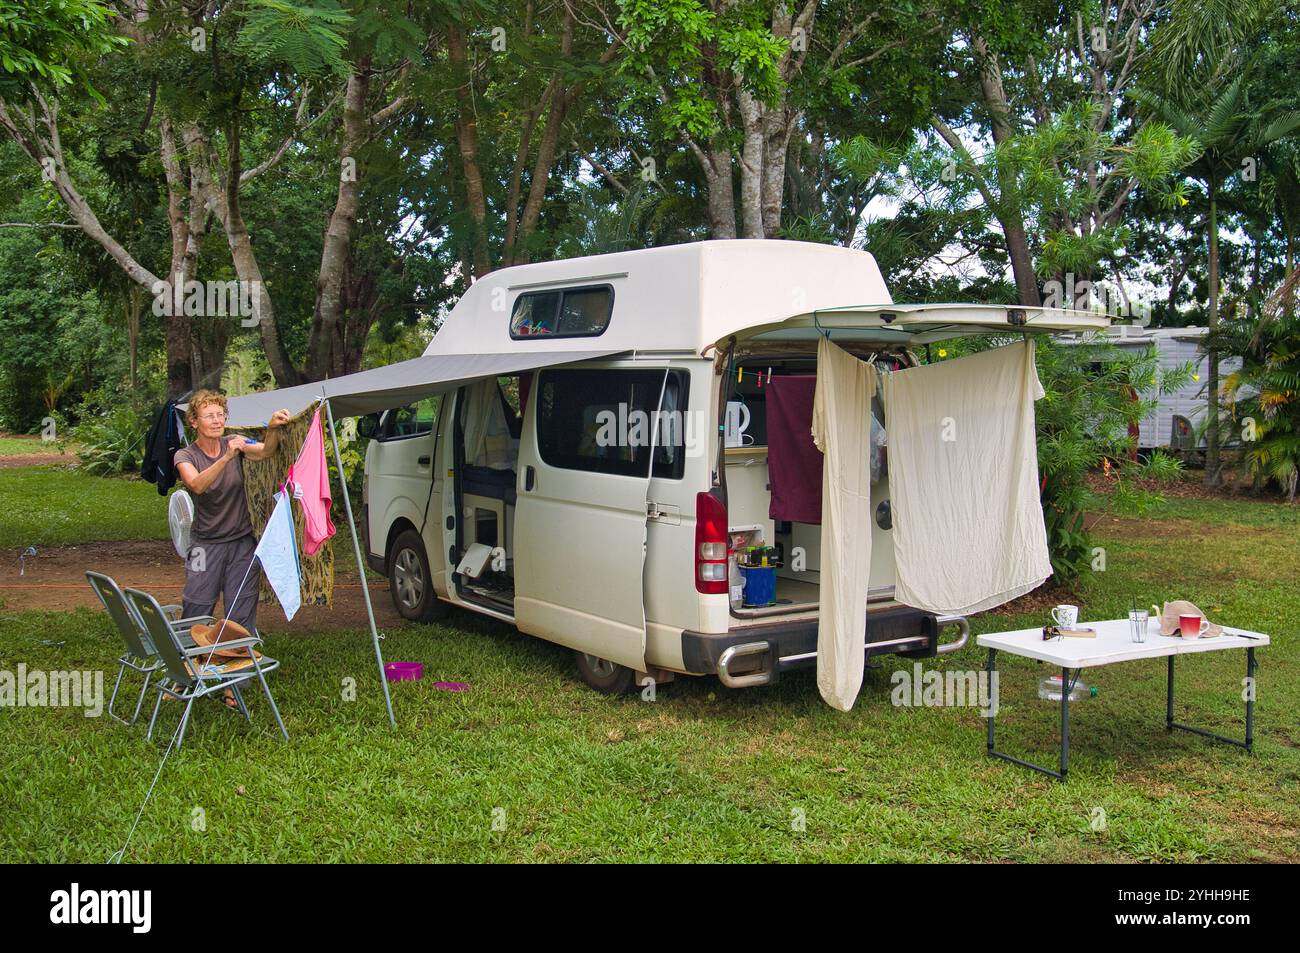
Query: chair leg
239, 699
148, 677
185, 721
156, 706
274, 710
121, 670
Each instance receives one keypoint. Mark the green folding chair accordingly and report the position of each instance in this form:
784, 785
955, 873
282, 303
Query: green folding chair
140, 655
189, 674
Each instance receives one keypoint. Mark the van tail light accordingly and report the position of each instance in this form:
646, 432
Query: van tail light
710, 544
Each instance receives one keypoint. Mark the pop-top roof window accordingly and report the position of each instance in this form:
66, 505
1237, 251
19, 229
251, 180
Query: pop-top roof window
566, 313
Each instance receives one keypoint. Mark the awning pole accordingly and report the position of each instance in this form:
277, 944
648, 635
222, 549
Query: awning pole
361, 566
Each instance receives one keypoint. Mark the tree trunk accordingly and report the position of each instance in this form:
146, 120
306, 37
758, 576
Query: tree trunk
467, 142
249, 271
1212, 434
329, 316
751, 165
722, 200
1013, 225
134, 305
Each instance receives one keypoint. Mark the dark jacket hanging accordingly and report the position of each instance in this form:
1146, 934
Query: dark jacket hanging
164, 439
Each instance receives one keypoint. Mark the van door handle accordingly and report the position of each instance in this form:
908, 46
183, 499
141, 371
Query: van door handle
530, 478
423, 461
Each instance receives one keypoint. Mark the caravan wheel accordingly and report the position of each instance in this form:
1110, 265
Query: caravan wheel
605, 676
410, 582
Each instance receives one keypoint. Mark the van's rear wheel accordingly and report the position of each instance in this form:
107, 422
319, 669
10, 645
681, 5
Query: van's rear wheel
411, 582
605, 676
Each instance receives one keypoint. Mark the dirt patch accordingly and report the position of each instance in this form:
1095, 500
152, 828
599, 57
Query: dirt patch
36, 460
1190, 487
1181, 530
55, 579
1041, 600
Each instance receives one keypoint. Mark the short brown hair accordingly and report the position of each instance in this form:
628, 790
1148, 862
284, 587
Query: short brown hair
201, 399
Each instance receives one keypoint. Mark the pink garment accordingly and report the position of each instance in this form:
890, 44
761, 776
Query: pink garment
310, 477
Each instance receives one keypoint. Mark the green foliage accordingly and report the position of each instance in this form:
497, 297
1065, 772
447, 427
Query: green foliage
42, 40
1094, 393
112, 444
1262, 399
309, 39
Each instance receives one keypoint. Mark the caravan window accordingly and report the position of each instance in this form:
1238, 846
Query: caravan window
567, 313
599, 420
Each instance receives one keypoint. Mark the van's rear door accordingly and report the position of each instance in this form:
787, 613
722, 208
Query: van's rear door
919, 324
580, 521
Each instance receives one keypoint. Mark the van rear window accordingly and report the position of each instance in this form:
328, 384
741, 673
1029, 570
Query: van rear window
566, 313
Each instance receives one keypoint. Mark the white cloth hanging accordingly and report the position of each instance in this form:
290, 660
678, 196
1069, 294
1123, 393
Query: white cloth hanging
841, 426
968, 525
277, 551
487, 435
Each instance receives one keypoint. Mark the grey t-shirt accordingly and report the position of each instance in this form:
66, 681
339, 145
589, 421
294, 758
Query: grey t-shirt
220, 513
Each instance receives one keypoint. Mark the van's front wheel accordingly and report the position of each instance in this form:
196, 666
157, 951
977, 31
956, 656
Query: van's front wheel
605, 676
411, 582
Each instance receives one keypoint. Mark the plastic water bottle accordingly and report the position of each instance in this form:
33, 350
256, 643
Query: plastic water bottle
1050, 689
735, 582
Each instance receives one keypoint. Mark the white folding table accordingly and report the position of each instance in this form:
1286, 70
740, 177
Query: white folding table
1114, 643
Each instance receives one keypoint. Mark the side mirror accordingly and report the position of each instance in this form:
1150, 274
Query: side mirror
368, 426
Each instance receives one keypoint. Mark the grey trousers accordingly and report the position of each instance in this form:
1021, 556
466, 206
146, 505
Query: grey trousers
217, 569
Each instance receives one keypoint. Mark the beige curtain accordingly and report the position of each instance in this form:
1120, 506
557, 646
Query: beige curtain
963, 478
841, 428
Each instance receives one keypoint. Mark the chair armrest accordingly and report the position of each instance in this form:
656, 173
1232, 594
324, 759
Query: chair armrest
230, 644
194, 620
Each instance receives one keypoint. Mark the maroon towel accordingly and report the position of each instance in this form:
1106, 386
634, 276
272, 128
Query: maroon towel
794, 464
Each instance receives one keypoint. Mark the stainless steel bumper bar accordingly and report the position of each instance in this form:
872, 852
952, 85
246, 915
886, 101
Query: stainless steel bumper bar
962, 624
733, 652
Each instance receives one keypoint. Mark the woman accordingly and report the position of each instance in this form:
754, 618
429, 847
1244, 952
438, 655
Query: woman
221, 553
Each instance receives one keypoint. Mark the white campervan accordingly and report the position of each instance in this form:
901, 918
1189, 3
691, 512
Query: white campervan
596, 495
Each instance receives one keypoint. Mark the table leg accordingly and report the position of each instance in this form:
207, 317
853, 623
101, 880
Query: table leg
1169, 697
1249, 743
1250, 700
1065, 722
1065, 728
992, 668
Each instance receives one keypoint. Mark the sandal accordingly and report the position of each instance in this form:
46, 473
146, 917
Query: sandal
228, 698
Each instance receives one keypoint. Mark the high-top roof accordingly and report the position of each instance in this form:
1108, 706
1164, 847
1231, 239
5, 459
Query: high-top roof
676, 298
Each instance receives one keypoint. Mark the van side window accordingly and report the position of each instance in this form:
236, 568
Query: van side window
600, 421
566, 313
411, 421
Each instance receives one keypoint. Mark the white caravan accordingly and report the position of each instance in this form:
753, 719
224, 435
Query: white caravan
596, 501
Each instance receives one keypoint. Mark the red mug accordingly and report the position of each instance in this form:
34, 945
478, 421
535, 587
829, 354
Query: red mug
1193, 626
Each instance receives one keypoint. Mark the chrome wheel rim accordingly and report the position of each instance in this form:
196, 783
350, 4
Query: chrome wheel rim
409, 577
601, 668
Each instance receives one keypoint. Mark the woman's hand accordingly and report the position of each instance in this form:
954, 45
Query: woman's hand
236, 446
278, 419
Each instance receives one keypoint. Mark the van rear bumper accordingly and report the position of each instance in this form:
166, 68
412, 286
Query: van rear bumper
758, 654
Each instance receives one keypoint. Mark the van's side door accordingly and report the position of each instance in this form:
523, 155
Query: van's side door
400, 466
580, 521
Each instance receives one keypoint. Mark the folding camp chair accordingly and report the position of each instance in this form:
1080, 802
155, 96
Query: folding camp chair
140, 655
190, 674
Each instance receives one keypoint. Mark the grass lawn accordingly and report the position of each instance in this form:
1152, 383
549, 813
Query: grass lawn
531, 765
11, 444
54, 505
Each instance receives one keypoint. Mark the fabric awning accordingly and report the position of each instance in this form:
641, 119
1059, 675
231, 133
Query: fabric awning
395, 385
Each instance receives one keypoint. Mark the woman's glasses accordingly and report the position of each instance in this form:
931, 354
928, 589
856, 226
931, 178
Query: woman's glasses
212, 418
